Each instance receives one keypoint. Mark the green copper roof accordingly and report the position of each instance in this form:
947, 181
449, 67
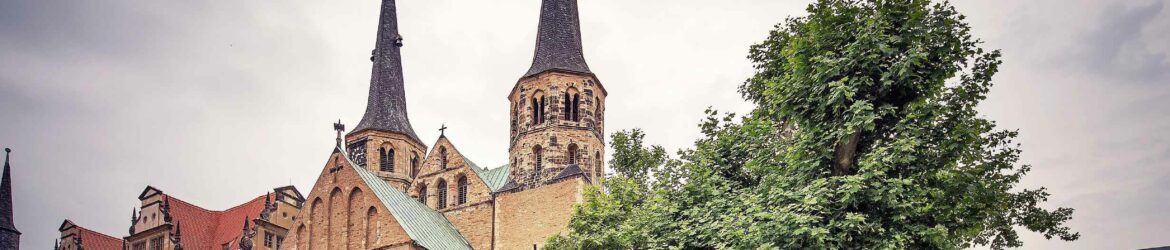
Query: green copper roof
495, 178
424, 225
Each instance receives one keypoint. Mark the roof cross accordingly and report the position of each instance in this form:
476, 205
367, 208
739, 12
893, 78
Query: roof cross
442, 129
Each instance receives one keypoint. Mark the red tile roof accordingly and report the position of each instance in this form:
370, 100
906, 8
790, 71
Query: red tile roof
206, 229
98, 241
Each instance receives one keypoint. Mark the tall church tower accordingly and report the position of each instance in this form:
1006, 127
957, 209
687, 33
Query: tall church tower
557, 107
384, 142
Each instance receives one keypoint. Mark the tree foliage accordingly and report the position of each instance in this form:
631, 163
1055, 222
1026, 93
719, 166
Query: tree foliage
865, 135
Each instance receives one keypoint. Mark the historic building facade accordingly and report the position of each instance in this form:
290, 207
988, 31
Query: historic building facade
163, 222
383, 188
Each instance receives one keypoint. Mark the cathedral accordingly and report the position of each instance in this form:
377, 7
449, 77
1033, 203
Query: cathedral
382, 188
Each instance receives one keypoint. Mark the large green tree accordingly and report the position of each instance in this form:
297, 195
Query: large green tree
865, 135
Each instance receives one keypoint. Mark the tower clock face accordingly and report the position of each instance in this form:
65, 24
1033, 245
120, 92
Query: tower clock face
357, 153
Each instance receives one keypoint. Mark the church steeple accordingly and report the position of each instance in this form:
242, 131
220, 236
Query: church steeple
386, 106
9, 236
558, 39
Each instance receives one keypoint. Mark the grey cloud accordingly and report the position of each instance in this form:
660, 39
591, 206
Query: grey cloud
1118, 46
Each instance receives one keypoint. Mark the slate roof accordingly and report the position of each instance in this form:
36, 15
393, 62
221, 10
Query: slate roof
427, 227
558, 39
569, 171
386, 106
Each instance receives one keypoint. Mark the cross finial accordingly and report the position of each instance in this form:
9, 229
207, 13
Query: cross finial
442, 129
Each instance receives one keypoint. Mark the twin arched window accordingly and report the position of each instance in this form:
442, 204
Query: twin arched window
387, 160
572, 107
538, 109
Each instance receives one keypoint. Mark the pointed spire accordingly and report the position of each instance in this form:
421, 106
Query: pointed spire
177, 239
6, 221
166, 209
266, 213
56, 244
133, 219
386, 106
246, 236
558, 39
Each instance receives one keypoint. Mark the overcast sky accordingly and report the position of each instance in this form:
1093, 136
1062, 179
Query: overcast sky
216, 102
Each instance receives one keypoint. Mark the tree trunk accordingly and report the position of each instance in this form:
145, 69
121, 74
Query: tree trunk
844, 154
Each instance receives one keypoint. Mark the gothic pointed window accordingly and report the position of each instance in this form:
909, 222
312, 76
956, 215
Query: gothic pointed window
443, 157
461, 188
572, 154
442, 192
386, 163
597, 162
422, 194
541, 110
537, 158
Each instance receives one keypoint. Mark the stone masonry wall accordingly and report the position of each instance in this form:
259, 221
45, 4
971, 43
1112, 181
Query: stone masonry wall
404, 150
557, 130
529, 217
342, 213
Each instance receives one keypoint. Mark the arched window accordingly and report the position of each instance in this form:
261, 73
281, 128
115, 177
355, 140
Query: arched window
537, 158
535, 111
573, 154
443, 157
461, 187
414, 165
422, 194
387, 160
576, 108
597, 109
568, 107
442, 191
370, 220
598, 164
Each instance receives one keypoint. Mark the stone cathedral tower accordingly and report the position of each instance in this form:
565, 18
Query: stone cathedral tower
384, 142
557, 107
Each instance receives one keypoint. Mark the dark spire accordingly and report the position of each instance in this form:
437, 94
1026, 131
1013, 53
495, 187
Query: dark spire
166, 209
133, 219
246, 236
386, 106
178, 237
268, 208
558, 39
6, 222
